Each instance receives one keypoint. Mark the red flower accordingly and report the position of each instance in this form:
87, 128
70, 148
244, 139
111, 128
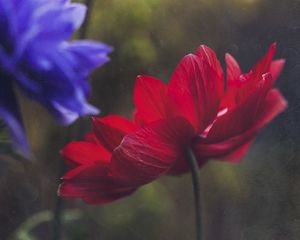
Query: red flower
192, 111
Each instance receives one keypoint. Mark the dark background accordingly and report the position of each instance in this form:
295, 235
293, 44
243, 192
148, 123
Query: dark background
256, 199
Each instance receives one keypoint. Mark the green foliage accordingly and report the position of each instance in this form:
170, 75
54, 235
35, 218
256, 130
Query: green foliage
24, 232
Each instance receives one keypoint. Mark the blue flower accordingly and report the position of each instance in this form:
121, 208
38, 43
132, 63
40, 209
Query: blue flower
37, 59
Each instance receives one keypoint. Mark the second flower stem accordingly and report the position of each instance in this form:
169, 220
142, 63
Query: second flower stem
196, 188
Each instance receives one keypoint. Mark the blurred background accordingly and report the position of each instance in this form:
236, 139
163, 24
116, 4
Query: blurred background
256, 199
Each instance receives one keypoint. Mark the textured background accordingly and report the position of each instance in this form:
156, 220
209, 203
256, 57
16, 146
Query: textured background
257, 199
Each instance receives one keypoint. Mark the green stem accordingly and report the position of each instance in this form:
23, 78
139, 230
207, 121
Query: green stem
57, 213
57, 224
196, 188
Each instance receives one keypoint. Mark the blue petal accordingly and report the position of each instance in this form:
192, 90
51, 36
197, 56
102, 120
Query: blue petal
66, 116
61, 22
36, 57
59, 88
62, 77
86, 55
47, 24
7, 26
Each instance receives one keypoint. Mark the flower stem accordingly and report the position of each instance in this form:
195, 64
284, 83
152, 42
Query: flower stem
196, 188
57, 219
58, 209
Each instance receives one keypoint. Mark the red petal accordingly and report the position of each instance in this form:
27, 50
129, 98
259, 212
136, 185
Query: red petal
264, 63
243, 116
273, 105
138, 119
110, 130
149, 98
151, 151
208, 55
181, 166
231, 150
93, 185
91, 137
233, 140
239, 88
233, 71
276, 68
250, 80
234, 82
91, 172
237, 154
80, 153
194, 91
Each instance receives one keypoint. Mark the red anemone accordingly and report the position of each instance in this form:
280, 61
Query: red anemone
192, 111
